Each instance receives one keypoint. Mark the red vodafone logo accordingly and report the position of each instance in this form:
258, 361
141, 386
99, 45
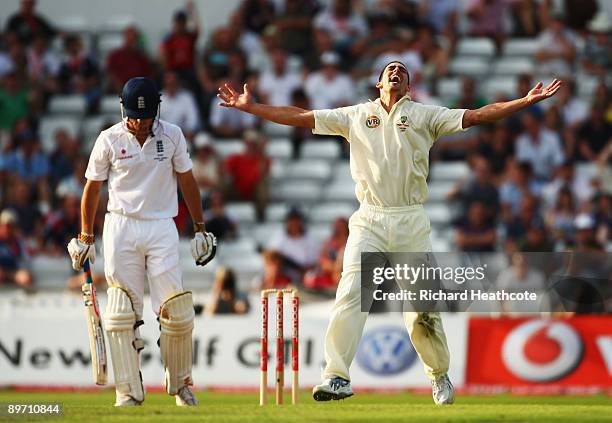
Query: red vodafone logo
542, 351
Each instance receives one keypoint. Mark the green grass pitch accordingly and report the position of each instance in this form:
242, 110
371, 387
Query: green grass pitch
364, 407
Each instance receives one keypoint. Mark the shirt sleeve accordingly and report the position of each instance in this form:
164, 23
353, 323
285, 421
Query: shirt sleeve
444, 121
181, 160
99, 161
333, 121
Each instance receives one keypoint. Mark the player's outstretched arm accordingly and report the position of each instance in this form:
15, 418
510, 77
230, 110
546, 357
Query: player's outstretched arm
496, 111
285, 115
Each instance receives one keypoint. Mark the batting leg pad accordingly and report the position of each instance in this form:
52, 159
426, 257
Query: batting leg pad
176, 324
121, 328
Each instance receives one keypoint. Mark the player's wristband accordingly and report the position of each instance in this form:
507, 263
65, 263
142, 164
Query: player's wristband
199, 227
87, 238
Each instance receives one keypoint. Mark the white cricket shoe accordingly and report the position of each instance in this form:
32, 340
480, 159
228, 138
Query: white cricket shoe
185, 397
442, 391
334, 388
126, 401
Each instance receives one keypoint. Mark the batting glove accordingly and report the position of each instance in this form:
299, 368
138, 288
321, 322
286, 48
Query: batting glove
80, 251
203, 247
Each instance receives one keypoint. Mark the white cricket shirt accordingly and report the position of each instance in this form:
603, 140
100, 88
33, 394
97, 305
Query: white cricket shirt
389, 151
141, 180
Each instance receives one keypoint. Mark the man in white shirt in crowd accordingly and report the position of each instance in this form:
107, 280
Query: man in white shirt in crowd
278, 84
329, 87
179, 106
390, 139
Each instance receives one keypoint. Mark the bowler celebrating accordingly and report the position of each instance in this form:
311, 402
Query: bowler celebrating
143, 157
389, 141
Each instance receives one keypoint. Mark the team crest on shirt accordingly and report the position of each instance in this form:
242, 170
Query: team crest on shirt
160, 151
402, 123
372, 121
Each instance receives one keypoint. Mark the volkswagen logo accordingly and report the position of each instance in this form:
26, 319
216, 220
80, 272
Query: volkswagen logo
386, 350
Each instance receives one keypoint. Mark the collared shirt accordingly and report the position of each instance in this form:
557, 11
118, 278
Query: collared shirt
141, 180
181, 109
390, 151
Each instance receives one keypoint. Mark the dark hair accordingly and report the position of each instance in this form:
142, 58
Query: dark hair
385, 67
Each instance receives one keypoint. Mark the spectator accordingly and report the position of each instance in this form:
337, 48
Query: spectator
518, 184
218, 221
61, 159
27, 161
227, 122
298, 135
177, 51
329, 88
556, 48
61, 225
248, 173
441, 15
179, 106
585, 234
294, 25
14, 101
327, 273
486, 19
497, 149
479, 189
277, 85
225, 298
594, 135
476, 233
604, 164
14, 259
43, 64
73, 184
299, 251
343, 22
20, 200
434, 56
519, 277
273, 276
216, 57
128, 61
376, 42
565, 177
573, 109
80, 73
528, 217
539, 146
206, 165
597, 56
469, 97
535, 239
560, 218
257, 14
26, 23
523, 87
603, 218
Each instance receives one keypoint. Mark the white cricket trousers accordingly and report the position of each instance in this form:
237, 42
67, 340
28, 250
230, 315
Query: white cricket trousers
135, 248
381, 229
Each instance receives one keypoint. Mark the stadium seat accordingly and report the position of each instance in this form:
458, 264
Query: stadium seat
238, 248
90, 129
297, 192
513, 66
342, 172
110, 104
50, 272
520, 47
244, 213
320, 233
506, 86
449, 88
340, 190
449, 171
50, 124
586, 86
321, 149
73, 24
439, 214
67, 104
279, 148
477, 46
276, 212
226, 148
469, 66
272, 129
108, 42
438, 190
265, 232
328, 212
246, 263
308, 169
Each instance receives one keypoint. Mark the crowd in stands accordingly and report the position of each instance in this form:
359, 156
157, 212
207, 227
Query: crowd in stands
524, 191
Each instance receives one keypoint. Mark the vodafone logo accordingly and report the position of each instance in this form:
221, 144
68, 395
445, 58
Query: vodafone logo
542, 351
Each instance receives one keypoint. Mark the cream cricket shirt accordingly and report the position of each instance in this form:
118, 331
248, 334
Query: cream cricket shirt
141, 180
389, 151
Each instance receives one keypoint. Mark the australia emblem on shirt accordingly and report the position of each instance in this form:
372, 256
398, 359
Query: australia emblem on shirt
372, 121
402, 123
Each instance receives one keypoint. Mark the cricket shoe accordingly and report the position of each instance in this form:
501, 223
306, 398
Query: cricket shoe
335, 388
126, 401
185, 397
442, 391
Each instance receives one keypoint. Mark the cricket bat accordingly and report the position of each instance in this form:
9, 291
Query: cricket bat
99, 362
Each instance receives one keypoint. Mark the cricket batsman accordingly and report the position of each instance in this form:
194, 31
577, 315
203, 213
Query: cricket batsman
389, 141
143, 158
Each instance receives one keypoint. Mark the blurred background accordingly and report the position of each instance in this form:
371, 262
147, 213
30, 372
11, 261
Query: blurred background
279, 198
